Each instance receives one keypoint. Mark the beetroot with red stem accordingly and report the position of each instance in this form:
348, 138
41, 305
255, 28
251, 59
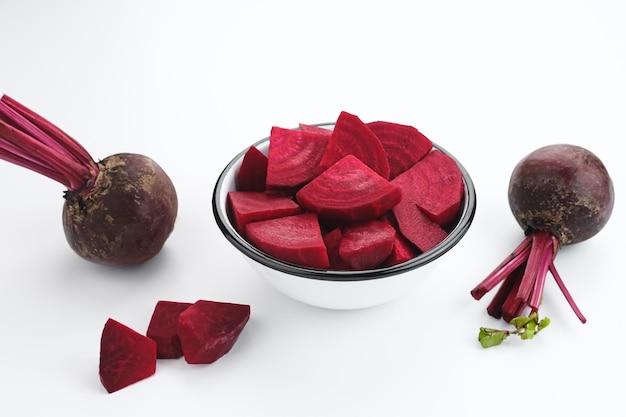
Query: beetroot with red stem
119, 211
560, 195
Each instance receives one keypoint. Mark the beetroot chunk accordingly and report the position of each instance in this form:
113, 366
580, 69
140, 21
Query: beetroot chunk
294, 157
209, 329
351, 136
349, 191
296, 239
126, 356
163, 328
249, 206
332, 240
417, 227
366, 245
404, 144
252, 173
435, 185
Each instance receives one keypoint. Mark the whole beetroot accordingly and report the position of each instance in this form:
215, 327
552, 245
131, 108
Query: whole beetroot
560, 195
118, 212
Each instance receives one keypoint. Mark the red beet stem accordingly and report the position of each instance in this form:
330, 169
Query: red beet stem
510, 263
566, 293
541, 254
30, 141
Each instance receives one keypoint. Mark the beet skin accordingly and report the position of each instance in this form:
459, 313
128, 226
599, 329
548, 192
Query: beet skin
126, 216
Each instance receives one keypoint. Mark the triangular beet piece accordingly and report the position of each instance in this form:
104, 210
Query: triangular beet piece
404, 144
209, 329
366, 245
250, 206
436, 185
349, 191
352, 137
417, 227
296, 239
294, 157
163, 328
126, 356
252, 172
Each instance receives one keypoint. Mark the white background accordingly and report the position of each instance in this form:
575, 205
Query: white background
191, 83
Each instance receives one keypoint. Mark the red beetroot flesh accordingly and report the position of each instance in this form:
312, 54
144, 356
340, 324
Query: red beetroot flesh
248, 206
351, 136
163, 328
209, 329
315, 129
366, 245
404, 145
349, 191
294, 157
296, 239
252, 173
126, 356
332, 240
435, 185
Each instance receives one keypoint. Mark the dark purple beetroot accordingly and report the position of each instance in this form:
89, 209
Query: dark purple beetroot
560, 195
564, 190
348, 191
119, 211
209, 329
163, 328
126, 216
126, 356
252, 173
296, 239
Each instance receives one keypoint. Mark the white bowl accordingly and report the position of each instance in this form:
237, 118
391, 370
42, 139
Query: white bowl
341, 290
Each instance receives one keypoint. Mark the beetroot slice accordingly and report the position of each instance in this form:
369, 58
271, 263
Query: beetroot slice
403, 249
349, 191
332, 239
296, 239
126, 356
436, 185
209, 329
366, 245
163, 328
252, 173
294, 157
250, 206
417, 227
351, 136
404, 144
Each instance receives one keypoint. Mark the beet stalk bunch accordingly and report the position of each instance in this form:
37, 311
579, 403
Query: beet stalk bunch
118, 212
560, 195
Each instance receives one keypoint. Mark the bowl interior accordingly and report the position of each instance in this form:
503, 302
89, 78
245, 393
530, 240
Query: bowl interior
226, 183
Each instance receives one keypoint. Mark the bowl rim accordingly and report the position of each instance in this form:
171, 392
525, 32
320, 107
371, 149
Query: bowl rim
466, 217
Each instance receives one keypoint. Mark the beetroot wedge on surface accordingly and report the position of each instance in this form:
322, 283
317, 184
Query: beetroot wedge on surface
249, 206
351, 136
252, 173
349, 191
126, 356
296, 239
404, 144
163, 328
294, 157
209, 329
436, 185
366, 245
